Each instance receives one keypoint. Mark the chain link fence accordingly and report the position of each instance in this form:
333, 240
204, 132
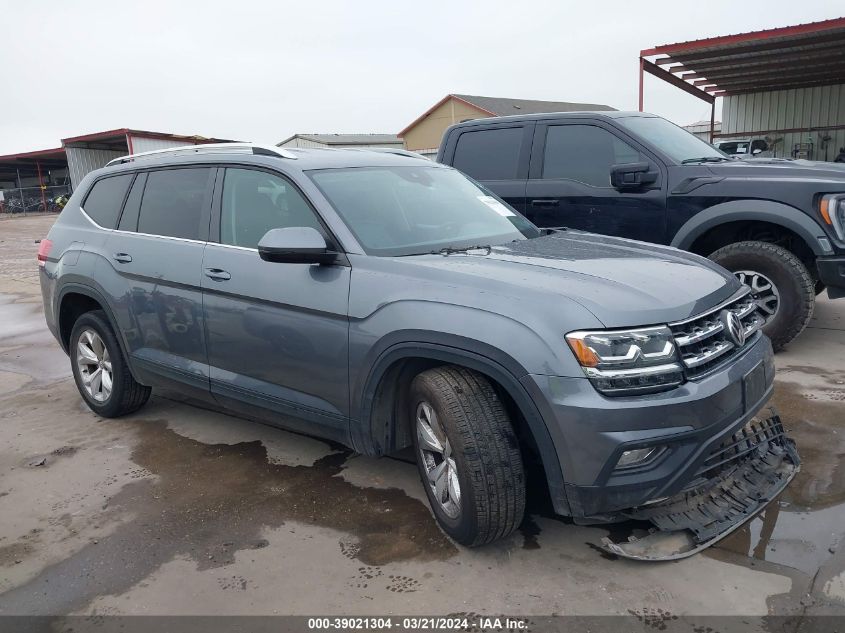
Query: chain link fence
33, 200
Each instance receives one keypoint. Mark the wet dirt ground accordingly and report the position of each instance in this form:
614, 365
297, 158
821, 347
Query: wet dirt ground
180, 510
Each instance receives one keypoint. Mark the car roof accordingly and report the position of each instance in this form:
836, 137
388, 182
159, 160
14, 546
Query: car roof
302, 159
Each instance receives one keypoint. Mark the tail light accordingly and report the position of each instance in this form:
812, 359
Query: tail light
44, 247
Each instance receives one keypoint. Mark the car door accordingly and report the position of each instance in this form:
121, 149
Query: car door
497, 157
154, 271
569, 183
277, 333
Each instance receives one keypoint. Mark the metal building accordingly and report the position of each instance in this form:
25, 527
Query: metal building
30, 181
92, 151
784, 85
342, 140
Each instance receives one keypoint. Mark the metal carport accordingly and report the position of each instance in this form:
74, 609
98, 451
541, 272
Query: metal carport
789, 58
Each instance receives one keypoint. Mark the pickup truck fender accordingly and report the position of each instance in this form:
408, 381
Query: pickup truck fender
742, 210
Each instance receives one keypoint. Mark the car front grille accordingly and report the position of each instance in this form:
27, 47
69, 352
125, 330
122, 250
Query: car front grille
704, 342
756, 438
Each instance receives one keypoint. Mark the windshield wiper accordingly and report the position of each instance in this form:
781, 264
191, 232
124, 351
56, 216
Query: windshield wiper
705, 159
448, 250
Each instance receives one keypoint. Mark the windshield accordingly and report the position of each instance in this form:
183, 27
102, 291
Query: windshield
672, 140
418, 209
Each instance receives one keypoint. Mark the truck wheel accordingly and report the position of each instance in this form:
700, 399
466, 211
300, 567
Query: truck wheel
780, 283
99, 369
467, 454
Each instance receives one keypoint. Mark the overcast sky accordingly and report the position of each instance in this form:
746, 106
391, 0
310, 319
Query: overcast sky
263, 70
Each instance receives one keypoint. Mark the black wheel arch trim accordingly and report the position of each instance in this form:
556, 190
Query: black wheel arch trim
744, 210
91, 292
500, 367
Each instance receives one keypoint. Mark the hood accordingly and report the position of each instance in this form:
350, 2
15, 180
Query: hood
780, 168
623, 283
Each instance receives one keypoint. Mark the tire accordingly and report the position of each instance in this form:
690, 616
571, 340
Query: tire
485, 452
790, 278
126, 394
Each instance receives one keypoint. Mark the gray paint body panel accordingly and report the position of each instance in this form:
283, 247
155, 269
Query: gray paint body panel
312, 342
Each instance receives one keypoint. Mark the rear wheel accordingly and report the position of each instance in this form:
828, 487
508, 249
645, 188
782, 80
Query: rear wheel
780, 283
467, 454
100, 370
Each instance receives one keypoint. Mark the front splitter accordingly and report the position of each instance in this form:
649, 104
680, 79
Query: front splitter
694, 520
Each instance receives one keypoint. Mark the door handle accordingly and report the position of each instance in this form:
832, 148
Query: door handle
122, 258
545, 202
217, 274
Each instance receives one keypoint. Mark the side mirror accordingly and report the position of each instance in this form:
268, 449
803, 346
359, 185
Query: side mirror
758, 150
295, 245
632, 175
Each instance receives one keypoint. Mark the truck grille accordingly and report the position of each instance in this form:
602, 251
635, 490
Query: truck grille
755, 438
704, 341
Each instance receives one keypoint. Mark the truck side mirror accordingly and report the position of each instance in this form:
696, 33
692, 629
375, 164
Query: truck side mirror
632, 175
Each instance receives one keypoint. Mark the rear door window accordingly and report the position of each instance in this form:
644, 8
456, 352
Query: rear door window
489, 154
174, 202
584, 153
104, 201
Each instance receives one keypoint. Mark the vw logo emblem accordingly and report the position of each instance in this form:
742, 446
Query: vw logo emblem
733, 327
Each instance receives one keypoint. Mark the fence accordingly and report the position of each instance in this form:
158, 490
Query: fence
32, 199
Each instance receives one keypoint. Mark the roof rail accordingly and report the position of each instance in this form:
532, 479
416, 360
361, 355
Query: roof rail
208, 148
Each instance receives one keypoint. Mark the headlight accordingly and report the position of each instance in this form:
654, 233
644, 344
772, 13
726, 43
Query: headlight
832, 210
628, 362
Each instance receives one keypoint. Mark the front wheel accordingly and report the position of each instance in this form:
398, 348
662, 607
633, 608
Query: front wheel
468, 455
780, 283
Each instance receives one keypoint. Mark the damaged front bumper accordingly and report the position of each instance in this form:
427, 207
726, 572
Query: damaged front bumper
736, 481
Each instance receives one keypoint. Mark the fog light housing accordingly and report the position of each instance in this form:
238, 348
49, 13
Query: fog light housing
639, 456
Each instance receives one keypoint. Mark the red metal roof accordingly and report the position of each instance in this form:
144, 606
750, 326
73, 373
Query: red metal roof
121, 133
796, 56
43, 154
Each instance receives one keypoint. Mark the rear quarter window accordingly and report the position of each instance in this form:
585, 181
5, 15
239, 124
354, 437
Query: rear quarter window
489, 154
105, 200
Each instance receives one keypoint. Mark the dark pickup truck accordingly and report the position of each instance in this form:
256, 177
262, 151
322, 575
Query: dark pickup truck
777, 224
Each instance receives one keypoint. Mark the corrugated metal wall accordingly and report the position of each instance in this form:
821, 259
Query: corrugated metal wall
142, 144
800, 109
303, 142
81, 161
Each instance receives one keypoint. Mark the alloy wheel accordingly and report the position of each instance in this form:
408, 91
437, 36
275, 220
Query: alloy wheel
435, 454
94, 365
764, 292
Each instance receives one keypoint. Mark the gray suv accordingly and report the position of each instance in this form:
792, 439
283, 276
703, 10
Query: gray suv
385, 302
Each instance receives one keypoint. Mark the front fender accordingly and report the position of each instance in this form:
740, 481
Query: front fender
745, 210
368, 433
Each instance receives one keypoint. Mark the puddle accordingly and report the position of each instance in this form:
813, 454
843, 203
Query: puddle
208, 501
806, 524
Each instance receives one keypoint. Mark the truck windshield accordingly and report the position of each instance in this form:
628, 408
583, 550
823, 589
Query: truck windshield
672, 140
418, 209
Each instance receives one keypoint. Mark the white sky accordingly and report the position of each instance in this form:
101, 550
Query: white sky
262, 70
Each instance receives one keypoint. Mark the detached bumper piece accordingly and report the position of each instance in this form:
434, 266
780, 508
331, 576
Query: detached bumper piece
736, 480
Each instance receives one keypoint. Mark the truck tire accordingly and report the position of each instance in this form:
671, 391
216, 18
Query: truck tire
468, 455
100, 370
783, 287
